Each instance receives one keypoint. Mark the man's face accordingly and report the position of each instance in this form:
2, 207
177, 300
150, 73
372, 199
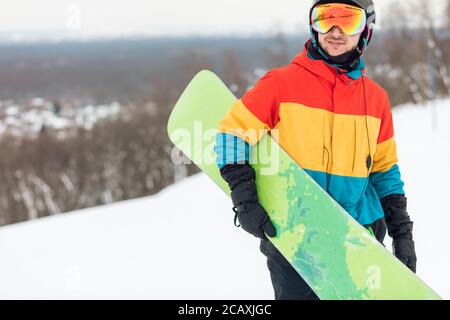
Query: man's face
336, 42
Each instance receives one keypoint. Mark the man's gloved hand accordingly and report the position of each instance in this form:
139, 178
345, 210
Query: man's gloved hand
400, 228
252, 217
404, 250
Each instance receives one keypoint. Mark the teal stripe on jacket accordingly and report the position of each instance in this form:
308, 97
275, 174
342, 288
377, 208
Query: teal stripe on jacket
356, 195
387, 183
231, 149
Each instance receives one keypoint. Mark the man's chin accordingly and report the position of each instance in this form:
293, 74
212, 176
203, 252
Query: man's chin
334, 53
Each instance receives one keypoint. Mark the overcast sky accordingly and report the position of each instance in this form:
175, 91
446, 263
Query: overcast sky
157, 17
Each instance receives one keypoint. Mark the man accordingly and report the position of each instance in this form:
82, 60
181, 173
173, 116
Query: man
335, 123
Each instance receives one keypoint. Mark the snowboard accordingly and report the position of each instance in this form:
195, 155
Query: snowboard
335, 255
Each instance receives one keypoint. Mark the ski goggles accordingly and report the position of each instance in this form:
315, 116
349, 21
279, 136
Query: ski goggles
352, 20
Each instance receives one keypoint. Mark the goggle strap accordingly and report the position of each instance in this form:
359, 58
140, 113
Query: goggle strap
313, 38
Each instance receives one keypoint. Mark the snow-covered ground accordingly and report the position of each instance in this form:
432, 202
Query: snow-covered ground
424, 159
181, 243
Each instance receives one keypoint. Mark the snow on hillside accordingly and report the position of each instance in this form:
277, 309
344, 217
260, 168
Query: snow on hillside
178, 244
424, 157
181, 243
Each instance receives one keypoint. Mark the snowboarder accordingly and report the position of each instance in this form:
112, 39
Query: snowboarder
336, 123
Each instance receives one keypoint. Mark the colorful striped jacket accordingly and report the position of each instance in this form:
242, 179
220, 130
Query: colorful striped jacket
328, 122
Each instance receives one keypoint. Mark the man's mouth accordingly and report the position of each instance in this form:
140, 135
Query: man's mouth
335, 44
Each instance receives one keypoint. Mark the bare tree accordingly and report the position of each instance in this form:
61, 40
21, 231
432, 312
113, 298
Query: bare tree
411, 48
233, 74
434, 45
190, 63
118, 159
278, 52
447, 13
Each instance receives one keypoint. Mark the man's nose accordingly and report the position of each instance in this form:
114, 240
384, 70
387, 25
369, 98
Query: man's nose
336, 31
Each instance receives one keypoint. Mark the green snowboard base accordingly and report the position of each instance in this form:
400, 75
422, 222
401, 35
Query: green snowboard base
335, 255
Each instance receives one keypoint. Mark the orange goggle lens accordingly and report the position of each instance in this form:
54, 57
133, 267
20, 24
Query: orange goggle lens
352, 20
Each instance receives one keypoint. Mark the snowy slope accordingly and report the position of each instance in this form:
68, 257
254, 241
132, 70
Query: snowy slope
424, 158
181, 243
178, 244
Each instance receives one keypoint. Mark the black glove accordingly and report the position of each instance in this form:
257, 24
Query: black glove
404, 250
400, 228
253, 218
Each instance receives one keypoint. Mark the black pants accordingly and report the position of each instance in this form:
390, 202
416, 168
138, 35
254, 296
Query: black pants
286, 282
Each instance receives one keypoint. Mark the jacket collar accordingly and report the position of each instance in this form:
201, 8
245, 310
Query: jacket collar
326, 71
